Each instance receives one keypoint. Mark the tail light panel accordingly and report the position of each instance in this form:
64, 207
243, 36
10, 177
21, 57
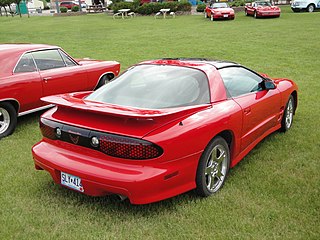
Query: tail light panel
110, 144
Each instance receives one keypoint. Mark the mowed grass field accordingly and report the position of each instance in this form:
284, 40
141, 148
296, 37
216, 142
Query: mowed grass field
272, 194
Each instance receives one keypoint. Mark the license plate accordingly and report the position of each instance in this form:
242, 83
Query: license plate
225, 15
71, 181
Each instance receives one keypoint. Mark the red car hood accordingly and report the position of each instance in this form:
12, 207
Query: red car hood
73, 109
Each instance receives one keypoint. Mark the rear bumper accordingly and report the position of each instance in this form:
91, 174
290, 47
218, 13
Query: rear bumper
141, 183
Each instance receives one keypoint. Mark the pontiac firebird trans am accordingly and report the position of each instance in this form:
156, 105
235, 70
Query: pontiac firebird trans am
31, 71
162, 128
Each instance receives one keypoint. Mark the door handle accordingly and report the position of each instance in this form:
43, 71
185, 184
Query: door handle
247, 111
46, 79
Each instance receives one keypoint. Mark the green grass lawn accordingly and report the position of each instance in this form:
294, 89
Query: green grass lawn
272, 193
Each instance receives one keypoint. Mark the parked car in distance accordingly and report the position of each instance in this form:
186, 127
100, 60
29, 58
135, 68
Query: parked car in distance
305, 5
162, 128
219, 10
69, 4
261, 9
31, 71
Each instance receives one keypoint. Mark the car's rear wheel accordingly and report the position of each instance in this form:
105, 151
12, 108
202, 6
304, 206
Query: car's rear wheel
213, 167
287, 117
310, 8
104, 80
8, 119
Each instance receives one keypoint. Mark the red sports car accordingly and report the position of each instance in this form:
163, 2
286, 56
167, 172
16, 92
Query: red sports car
69, 4
162, 128
219, 11
262, 9
31, 71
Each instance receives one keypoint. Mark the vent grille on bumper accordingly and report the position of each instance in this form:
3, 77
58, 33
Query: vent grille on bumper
110, 144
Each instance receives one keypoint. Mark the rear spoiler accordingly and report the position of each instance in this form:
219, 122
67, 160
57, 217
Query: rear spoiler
76, 101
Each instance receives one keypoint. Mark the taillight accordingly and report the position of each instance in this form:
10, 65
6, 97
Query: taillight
110, 144
129, 148
47, 129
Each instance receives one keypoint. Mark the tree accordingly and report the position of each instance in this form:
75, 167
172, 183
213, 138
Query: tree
17, 2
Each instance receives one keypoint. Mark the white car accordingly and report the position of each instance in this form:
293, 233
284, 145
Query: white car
309, 5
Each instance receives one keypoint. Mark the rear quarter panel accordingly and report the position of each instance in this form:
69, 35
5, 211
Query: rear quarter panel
192, 134
96, 69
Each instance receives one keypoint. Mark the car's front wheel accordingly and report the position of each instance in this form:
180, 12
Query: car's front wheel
310, 8
213, 167
287, 118
8, 119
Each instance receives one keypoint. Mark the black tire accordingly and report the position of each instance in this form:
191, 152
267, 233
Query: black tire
211, 168
310, 8
288, 113
8, 119
104, 80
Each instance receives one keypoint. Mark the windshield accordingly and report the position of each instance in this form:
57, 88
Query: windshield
263, 4
155, 87
219, 5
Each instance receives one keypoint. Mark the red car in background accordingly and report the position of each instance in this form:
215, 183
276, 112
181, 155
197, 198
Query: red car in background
68, 5
162, 128
31, 71
219, 10
261, 9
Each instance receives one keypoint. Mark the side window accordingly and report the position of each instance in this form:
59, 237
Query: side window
25, 64
238, 80
67, 59
48, 59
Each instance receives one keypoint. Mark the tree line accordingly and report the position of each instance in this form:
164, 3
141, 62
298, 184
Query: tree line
6, 4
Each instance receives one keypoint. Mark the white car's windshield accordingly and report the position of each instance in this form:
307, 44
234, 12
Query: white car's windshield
263, 4
155, 87
219, 5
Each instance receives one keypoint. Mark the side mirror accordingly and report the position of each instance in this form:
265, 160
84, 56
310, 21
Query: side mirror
269, 85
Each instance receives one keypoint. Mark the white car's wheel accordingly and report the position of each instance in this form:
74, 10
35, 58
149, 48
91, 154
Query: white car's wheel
310, 8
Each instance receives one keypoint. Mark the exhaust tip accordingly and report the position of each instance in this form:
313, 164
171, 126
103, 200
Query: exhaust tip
121, 197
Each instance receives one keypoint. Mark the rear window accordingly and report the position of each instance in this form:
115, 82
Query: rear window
156, 87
